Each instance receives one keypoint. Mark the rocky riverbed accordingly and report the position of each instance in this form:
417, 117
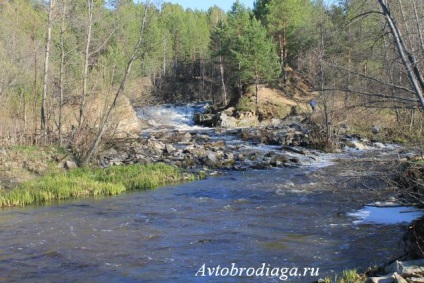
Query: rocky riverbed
283, 144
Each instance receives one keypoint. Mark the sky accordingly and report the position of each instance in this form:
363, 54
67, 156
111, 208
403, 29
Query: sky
223, 4
206, 4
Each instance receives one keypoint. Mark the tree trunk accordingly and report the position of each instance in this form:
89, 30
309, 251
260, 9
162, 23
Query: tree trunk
221, 70
418, 22
61, 72
90, 7
257, 90
408, 59
35, 89
46, 67
134, 56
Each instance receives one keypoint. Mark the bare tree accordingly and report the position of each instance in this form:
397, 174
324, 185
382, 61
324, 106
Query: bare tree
62, 69
90, 9
46, 66
137, 53
406, 54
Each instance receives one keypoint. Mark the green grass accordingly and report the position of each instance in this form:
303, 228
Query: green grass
348, 276
84, 182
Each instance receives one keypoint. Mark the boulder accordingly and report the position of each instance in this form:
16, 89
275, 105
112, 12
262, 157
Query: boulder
186, 138
69, 165
217, 145
357, 145
398, 278
240, 157
169, 149
211, 160
382, 279
379, 145
409, 268
244, 119
207, 120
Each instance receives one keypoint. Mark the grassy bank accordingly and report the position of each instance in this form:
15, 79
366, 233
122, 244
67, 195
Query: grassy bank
84, 182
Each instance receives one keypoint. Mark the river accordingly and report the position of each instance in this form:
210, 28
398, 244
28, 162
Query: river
281, 217
294, 218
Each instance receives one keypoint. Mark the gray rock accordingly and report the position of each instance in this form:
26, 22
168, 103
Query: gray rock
203, 137
278, 160
208, 119
186, 138
375, 129
398, 278
156, 146
379, 145
217, 145
240, 157
211, 160
110, 152
69, 165
383, 279
169, 149
229, 155
410, 268
296, 126
358, 145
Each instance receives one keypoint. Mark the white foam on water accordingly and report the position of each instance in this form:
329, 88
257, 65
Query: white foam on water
386, 215
171, 116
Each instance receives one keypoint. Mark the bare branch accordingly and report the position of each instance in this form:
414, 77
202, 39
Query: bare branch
371, 78
382, 95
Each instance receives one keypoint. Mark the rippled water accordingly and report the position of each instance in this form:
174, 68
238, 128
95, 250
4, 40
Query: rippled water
172, 116
281, 217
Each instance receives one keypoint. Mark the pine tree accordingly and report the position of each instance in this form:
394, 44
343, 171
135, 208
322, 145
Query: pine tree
256, 55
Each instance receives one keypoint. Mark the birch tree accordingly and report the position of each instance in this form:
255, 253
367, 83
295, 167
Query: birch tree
46, 65
407, 54
136, 54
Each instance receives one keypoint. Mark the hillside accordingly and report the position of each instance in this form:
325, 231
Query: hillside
276, 103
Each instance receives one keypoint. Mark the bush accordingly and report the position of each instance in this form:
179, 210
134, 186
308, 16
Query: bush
411, 182
245, 105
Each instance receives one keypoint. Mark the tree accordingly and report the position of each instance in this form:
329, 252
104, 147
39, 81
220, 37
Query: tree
406, 54
87, 55
220, 50
256, 55
260, 10
46, 65
137, 53
284, 20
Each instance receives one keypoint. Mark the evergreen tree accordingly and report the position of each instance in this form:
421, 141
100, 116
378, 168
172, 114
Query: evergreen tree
255, 53
287, 21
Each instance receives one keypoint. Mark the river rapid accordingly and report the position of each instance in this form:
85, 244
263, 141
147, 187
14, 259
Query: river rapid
281, 220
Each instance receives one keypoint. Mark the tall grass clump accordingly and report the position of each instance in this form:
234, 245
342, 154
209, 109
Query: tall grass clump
84, 182
348, 276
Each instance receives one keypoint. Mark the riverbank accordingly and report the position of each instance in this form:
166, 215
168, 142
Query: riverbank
363, 177
380, 178
33, 175
284, 217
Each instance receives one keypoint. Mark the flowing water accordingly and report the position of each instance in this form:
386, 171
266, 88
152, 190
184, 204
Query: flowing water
278, 218
281, 217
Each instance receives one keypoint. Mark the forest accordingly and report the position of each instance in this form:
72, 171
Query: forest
66, 64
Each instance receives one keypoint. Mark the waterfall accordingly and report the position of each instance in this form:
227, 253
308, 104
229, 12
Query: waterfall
171, 115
